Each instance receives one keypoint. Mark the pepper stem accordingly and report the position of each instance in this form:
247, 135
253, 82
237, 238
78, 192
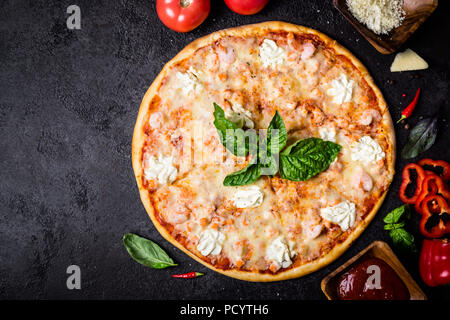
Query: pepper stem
402, 117
198, 274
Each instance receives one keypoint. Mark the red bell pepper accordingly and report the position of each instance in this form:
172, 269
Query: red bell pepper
434, 262
432, 184
434, 205
437, 164
407, 181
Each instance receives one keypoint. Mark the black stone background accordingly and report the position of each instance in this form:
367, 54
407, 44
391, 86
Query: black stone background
68, 104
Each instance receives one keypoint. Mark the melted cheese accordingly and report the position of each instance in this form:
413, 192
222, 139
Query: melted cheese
327, 134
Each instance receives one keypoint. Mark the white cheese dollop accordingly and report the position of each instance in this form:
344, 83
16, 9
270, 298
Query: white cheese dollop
343, 214
327, 134
248, 198
240, 113
161, 169
188, 81
367, 150
271, 54
341, 89
238, 108
210, 242
278, 252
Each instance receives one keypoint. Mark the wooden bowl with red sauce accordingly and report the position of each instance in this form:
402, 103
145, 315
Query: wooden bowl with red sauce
332, 283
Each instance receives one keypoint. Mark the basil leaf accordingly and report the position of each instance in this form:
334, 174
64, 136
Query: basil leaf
248, 175
395, 215
146, 252
421, 138
230, 133
393, 226
263, 151
306, 158
271, 168
277, 139
403, 239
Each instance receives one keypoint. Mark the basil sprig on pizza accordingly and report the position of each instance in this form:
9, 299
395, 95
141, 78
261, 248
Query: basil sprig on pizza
273, 206
300, 161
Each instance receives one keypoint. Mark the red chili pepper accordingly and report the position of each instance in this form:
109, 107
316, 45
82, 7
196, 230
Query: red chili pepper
410, 108
437, 164
434, 263
432, 205
407, 180
188, 275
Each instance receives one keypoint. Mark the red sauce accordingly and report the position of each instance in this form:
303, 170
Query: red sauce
371, 279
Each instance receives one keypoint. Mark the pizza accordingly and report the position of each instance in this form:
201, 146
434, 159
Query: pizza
274, 228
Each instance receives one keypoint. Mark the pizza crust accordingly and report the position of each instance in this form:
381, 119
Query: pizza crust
261, 28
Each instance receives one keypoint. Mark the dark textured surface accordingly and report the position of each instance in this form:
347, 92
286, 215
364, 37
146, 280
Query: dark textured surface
68, 103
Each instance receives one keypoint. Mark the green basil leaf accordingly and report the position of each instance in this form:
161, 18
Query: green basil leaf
306, 158
392, 226
421, 138
146, 252
395, 215
270, 169
403, 239
248, 175
231, 134
263, 151
277, 139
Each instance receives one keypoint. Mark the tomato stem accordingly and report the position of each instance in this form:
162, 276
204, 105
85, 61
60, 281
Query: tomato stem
185, 3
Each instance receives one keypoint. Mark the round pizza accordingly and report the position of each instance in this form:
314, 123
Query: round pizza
281, 211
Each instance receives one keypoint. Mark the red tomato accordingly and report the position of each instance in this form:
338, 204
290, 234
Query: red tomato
182, 15
246, 6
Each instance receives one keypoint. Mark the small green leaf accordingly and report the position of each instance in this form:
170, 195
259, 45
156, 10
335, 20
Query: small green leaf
306, 158
276, 134
146, 252
421, 138
403, 239
393, 226
231, 134
248, 175
263, 151
271, 168
395, 215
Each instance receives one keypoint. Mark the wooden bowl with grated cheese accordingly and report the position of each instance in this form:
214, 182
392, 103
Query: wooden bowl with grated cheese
386, 24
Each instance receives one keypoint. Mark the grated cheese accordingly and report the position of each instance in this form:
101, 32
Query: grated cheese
381, 16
